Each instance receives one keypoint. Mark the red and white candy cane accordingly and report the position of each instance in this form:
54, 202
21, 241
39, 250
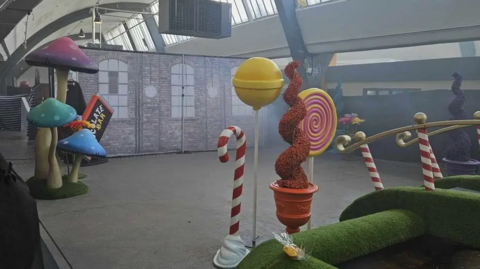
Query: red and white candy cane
426, 159
239, 170
437, 173
478, 134
372, 168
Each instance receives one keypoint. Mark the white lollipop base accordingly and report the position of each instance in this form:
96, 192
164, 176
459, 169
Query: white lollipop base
231, 253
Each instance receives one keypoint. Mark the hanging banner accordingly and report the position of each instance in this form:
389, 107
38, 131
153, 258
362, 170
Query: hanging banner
98, 113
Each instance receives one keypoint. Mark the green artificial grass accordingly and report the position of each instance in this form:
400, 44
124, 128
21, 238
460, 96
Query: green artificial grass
382, 219
464, 181
449, 214
340, 242
38, 189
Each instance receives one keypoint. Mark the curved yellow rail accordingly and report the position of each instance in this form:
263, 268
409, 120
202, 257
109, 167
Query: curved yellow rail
342, 143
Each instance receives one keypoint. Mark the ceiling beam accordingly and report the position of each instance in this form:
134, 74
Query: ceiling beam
156, 36
56, 25
12, 12
4, 45
22, 66
312, 67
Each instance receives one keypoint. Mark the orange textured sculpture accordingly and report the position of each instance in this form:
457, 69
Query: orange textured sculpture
289, 164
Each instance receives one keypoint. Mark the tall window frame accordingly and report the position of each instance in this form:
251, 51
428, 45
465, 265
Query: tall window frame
177, 82
113, 86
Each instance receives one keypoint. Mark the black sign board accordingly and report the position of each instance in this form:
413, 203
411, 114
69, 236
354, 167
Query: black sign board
98, 113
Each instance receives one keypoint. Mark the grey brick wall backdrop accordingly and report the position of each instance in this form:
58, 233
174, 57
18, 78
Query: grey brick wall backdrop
149, 127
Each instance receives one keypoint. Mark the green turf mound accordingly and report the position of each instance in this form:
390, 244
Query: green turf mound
463, 181
381, 219
340, 242
448, 214
38, 189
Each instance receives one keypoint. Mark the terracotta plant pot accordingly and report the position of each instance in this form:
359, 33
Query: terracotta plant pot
293, 205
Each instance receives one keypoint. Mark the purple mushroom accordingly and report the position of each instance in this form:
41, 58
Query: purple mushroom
63, 55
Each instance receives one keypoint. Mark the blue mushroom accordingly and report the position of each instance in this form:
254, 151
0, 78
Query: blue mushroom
81, 143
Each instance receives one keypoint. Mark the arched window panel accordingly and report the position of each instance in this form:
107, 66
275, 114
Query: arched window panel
113, 86
187, 81
239, 108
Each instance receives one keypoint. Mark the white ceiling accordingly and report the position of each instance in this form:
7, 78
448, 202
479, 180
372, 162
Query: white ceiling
49, 11
108, 22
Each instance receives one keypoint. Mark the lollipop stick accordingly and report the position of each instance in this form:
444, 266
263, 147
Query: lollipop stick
255, 176
310, 179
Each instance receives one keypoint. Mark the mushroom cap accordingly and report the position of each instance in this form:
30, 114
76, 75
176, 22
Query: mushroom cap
51, 113
62, 53
83, 142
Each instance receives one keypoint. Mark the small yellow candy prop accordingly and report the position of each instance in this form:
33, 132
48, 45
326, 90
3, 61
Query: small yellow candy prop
258, 82
292, 250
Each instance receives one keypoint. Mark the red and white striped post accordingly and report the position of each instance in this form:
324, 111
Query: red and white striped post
437, 172
369, 162
421, 118
478, 135
233, 250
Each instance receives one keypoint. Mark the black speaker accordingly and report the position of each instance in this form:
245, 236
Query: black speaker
197, 18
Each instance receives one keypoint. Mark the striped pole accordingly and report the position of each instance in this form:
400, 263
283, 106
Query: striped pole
478, 135
233, 249
476, 116
372, 168
239, 170
437, 172
421, 118
369, 162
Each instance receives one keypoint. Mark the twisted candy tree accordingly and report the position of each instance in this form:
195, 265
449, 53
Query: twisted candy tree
460, 149
289, 164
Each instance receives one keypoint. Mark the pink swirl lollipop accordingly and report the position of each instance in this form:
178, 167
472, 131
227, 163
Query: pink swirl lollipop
320, 123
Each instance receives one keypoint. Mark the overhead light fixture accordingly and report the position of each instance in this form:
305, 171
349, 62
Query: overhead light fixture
81, 34
98, 19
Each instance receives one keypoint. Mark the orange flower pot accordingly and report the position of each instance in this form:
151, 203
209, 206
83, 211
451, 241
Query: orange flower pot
293, 205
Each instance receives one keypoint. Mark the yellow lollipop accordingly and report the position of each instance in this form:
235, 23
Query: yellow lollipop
258, 82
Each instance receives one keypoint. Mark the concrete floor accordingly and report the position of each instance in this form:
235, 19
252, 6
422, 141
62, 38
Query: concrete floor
172, 211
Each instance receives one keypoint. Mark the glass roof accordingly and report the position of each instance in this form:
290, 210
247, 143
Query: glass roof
118, 36
140, 34
241, 11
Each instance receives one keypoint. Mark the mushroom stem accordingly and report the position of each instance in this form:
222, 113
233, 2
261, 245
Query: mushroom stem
73, 176
54, 179
42, 146
62, 76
